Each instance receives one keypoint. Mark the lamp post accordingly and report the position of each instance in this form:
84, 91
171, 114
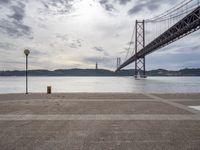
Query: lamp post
26, 52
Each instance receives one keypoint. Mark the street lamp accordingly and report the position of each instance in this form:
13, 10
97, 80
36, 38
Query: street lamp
26, 52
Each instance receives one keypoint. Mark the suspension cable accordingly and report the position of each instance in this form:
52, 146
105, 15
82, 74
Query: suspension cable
170, 11
131, 42
175, 15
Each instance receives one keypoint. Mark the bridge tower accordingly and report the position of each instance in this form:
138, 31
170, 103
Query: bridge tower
139, 44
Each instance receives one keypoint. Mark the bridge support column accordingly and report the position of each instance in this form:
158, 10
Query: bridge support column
140, 69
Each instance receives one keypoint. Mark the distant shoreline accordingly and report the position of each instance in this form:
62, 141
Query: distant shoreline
100, 73
105, 76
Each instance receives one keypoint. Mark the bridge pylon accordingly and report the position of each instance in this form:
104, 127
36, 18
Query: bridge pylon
139, 44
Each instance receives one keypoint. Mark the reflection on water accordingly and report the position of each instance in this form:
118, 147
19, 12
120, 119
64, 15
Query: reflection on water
101, 84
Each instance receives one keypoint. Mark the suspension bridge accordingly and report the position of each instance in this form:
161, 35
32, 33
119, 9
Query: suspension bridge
152, 34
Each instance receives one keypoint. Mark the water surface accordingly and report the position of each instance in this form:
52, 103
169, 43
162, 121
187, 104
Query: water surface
102, 84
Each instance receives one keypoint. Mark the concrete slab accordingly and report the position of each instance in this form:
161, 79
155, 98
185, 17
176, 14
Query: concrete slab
91, 107
98, 135
73, 96
27, 117
179, 96
187, 103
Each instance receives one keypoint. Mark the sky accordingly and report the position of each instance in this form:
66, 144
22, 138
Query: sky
63, 34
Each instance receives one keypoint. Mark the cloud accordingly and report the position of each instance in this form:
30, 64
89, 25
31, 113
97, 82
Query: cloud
99, 49
75, 44
57, 6
97, 59
19, 12
103, 60
71, 42
36, 53
107, 5
141, 5
62, 37
4, 1
102, 50
117, 35
14, 28
13, 25
123, 2
6, 46
150, 5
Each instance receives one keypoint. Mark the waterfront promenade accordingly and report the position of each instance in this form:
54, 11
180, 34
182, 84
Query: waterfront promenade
91, 121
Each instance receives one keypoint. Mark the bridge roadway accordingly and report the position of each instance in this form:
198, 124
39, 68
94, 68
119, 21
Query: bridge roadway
187, 25
92, 121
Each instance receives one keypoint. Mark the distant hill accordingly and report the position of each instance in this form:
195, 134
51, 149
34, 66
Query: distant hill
60, 72
101, 72
182, 72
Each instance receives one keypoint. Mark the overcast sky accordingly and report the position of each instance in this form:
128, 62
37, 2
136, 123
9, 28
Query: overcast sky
76, 33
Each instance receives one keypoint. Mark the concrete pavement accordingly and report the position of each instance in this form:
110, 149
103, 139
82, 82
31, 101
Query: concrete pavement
91, 121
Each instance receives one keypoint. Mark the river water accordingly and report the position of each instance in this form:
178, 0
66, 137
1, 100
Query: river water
102, 84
